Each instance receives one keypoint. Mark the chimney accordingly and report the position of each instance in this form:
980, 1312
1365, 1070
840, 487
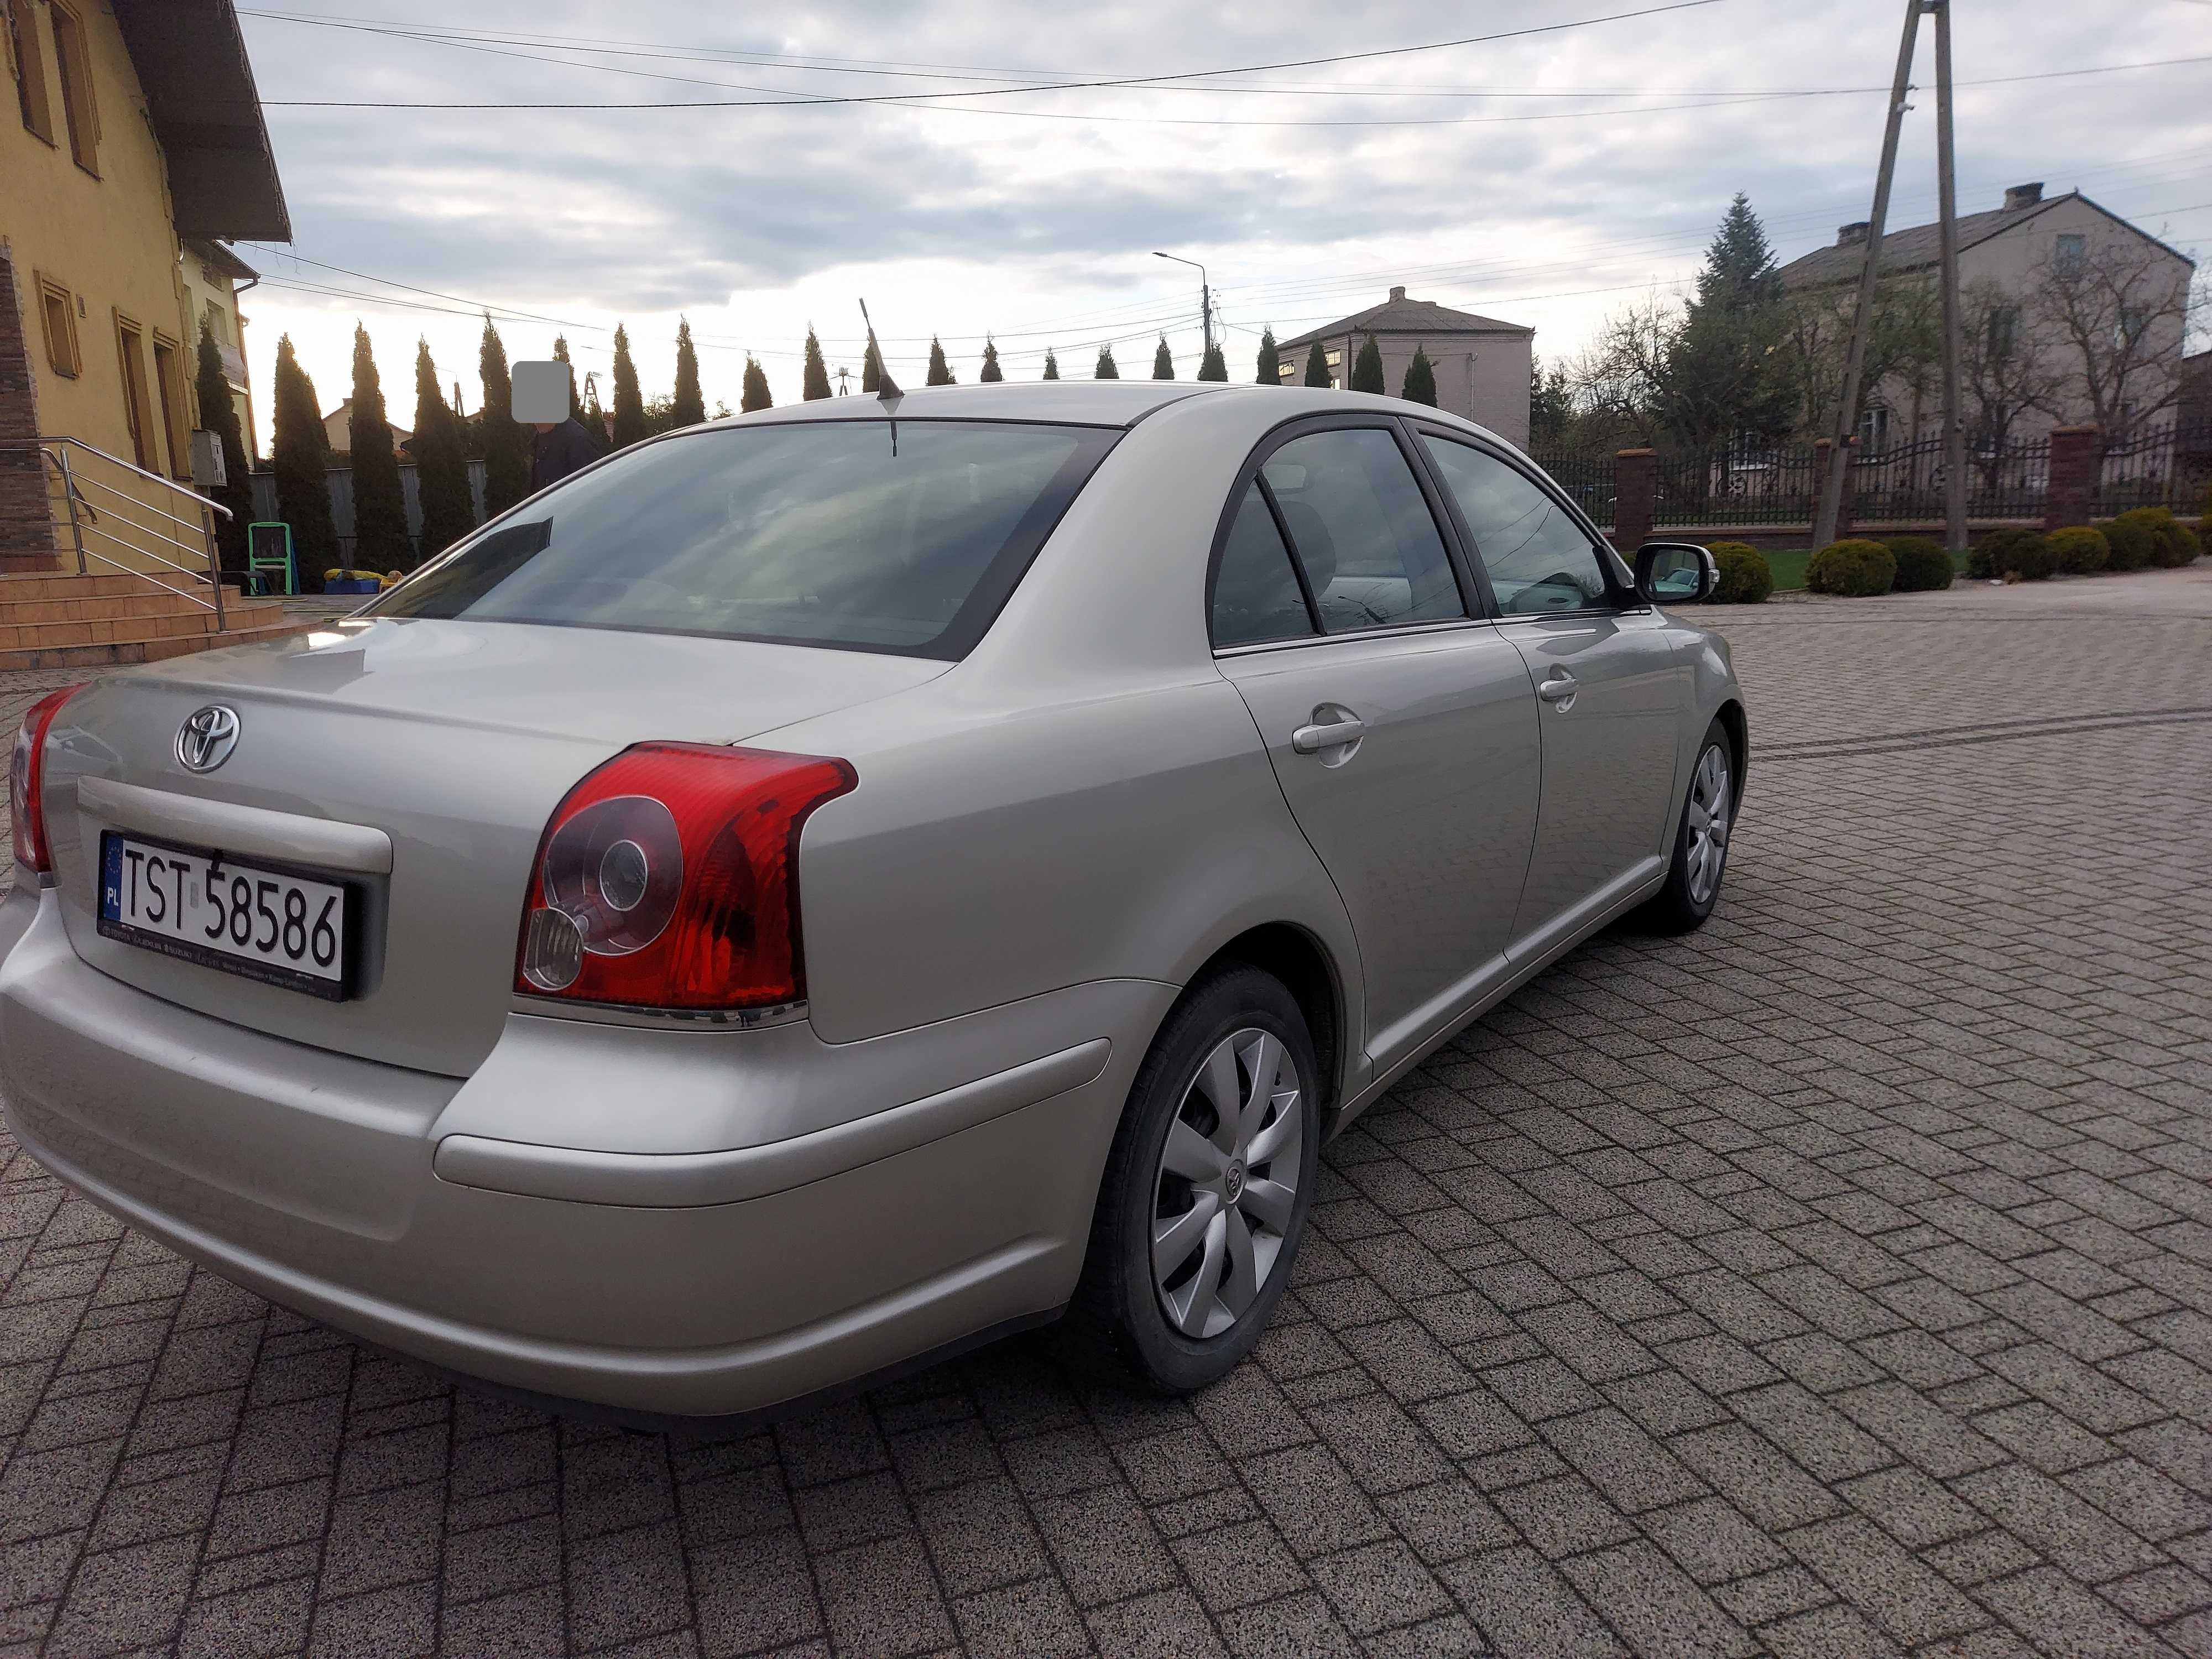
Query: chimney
2023, 196
1397, 293
1852, 234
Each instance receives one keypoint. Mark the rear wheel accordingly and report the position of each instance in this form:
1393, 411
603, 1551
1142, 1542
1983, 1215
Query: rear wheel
1701, 840
1207, 1189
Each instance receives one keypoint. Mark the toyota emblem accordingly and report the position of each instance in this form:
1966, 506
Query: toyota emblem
207, 737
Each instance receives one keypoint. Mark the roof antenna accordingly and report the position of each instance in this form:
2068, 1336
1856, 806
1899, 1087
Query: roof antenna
887, 391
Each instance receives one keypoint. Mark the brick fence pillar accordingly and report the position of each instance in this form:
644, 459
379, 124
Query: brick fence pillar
26, 528
1635, 490
2074, 465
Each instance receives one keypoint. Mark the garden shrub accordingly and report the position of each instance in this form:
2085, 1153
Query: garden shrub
2080, 550
2131, 543
1851, 569
2172, 543
1923, 566
1745, 577
2023, 554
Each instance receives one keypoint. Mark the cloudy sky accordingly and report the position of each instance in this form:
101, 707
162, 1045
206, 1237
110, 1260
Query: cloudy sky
1543, 178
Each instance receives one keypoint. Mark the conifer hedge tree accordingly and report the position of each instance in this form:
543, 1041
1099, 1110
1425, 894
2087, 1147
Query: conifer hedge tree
688, 405
299, 455
1421, 386
940, 371
629, 405
814, 379
1163, 364
1367, 371
441, 474
576, 403
1214, 365
505, 445
872, 370
1317, 367
1051, 365
219, 414
756, 392
992, 374
380, 541
1107, 369
1270, 371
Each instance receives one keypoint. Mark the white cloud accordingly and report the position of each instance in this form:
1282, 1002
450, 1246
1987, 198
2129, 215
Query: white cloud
964, 220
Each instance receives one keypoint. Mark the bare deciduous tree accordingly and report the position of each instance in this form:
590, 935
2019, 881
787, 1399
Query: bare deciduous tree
1904, 345
2117, 311
2007, 367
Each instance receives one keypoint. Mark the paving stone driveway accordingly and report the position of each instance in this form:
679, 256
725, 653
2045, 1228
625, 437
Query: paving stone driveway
1837, 1281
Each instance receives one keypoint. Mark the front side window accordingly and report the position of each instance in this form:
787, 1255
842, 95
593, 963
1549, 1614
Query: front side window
1363, 532
1537, 556
2068, 253
814, 533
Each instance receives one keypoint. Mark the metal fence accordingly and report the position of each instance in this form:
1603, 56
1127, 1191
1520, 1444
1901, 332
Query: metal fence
340, 488
2168, 465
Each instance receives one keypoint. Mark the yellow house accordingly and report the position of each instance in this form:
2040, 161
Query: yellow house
214, 278
133, 124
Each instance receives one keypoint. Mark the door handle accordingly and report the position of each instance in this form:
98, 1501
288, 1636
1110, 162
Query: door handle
1560, 689
1312, 739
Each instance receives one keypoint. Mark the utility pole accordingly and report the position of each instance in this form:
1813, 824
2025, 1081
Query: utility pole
1832, 487
1947, 185
1205, 295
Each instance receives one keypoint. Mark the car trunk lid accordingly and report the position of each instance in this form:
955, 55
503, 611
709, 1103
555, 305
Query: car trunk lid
451, 740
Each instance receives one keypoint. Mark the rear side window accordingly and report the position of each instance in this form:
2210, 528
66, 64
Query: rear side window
814, 533
1256, 592
1537, 557
1371, 552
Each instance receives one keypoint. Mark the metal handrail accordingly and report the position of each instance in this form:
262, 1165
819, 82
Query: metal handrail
56, 450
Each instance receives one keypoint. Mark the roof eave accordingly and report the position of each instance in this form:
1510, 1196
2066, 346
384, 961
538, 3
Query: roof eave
206, 114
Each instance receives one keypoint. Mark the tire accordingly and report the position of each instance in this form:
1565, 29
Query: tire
1701, 860
1179, 1332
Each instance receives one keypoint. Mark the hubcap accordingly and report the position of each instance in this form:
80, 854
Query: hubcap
1227, 1184
1709, 824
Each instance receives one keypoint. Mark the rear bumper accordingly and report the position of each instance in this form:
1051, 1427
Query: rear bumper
687, 1224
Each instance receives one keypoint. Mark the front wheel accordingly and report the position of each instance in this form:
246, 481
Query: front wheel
1206, 1191
1701, 839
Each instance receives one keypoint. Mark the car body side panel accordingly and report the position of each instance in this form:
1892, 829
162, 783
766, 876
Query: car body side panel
1610, 755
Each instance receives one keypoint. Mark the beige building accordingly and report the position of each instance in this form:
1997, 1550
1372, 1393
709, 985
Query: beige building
2121, 280
214, 277
1482, 364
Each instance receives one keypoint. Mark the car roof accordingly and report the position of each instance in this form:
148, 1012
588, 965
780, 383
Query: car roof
1086, 402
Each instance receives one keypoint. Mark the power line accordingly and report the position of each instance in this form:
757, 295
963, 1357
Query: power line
995, 92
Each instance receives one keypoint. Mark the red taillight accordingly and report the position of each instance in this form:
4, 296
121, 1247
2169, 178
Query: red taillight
27, 773
669, 879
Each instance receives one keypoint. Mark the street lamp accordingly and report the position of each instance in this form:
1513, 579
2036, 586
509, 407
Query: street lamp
1205, 295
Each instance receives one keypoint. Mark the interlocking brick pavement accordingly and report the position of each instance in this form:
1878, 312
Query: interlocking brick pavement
1835, 1281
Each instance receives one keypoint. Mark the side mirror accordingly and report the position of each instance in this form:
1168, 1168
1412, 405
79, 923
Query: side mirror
1675, 572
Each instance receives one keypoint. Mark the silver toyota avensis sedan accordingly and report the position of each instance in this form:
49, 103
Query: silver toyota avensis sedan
815, 892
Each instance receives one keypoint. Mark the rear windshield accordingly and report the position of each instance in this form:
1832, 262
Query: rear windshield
818, 532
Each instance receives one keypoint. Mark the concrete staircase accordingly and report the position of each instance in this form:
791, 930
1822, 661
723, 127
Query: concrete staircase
102, 621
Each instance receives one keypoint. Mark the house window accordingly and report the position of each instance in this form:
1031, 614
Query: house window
59, 312
1874, 430
2133, 320
30, 66
169, 387
2004, 329
138, 409
2070, 251
73, 63
1333, 359
218, 323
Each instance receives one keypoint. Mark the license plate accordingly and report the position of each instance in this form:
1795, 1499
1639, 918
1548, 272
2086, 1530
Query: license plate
244, 918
